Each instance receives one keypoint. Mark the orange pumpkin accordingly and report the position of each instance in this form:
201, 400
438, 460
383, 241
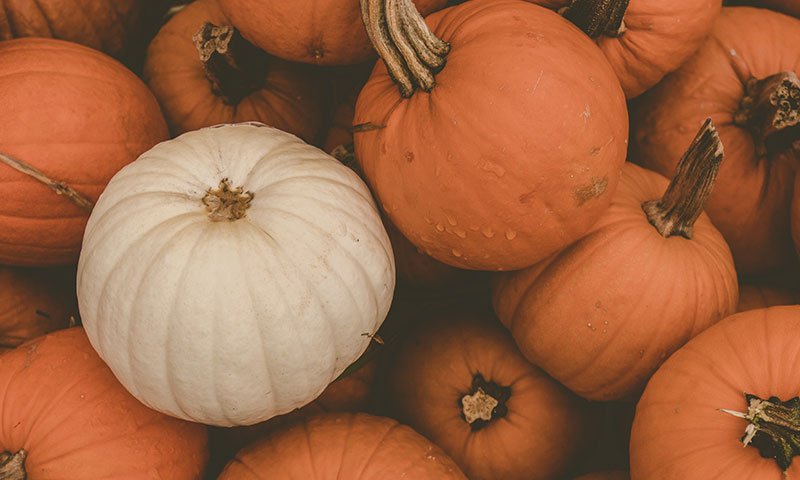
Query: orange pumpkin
343, 445
459, 380
789, 7
65, 416
750, 204
77, 116
601, 315
753, 296
684, 427
513, 153
234, 83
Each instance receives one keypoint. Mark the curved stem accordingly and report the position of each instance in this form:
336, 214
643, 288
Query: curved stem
485, 402
12, 467
679, 207
59, 187
770, 109
597, 17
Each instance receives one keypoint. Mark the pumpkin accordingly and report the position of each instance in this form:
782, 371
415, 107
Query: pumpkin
727, 387
343, 445
750, 55
72, 118
515, 150
642, 39
789, 7
608, 475
65, 416
458, 379
34, 302
752, 296
229, 275
601, 315
322, 32
206, 74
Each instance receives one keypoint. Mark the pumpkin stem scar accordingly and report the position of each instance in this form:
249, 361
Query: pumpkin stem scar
59, 187
234, 67
226, 203
774, 428
682, 203
12, 467
411, 52
597, 17
485, 402
770, 110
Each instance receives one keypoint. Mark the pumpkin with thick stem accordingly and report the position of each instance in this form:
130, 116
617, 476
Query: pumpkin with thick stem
734, 385
65, 416
204, 73
512, 154
601, 315
745, 78
72, 117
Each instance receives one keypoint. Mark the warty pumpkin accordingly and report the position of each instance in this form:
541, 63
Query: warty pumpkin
229, 275
65, 417
72, 117
601, 315
510, 152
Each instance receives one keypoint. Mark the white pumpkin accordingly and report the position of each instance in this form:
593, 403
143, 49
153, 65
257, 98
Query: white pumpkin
229, 275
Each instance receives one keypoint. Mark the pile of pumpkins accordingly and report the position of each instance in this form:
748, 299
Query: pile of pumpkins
379, 239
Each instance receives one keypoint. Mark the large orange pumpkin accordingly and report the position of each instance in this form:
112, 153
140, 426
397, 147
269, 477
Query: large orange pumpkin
77, 116
681, 431
513, 153
67, 418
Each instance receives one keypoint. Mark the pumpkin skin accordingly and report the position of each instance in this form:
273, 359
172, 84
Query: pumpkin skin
322, 32
433, 369
307, 269
62, 404
497, 167
34, 302
343, 445
789, 7
751, 199
78, 116
754, 296
291, 98
580, 314
679, 432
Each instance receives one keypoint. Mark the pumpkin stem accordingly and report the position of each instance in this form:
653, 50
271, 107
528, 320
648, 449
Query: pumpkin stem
346, 154
235, 67
679, 207
770, 109
485, 402
774, 428
59, 187
597, 17
12, 467
226, 203
411, 52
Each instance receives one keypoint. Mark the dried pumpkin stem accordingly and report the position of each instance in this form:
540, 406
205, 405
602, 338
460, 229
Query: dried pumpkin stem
676, 211
226, 203
234, 67
59, 187
774, 428
411, 52
12, 466
597, 17
485, 402
770, 109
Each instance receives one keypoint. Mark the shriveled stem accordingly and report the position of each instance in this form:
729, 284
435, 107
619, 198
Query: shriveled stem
679, 207
226, 203
597, 17
59, 187
770, 110
485, 402
12, 466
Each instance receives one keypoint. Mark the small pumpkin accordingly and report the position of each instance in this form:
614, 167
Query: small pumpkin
730, 385
72, 117
65, 416
230, 274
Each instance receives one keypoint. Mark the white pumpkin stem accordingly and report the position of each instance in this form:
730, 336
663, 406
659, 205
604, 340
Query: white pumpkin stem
597, 17
225, 203
59, 187
770, 110
12, 467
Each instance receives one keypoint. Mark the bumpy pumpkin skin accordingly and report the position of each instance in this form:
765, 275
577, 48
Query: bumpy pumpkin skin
750, 201
322, 32
291, 99
343, 445
544, 428
514, 153
78, 116
281, 300
679, 431
604, 313
62, 404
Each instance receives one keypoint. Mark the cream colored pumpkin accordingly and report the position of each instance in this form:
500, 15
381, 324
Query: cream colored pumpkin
230, 321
